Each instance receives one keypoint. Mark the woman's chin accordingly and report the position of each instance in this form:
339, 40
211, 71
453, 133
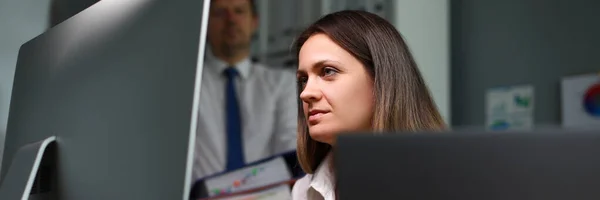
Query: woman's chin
327, 137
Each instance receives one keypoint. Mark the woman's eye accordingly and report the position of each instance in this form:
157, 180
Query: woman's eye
302, 81
328, 71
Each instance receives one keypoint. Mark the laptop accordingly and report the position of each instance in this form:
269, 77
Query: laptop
469, 166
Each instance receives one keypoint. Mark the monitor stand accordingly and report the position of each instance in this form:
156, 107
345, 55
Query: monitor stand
22, 172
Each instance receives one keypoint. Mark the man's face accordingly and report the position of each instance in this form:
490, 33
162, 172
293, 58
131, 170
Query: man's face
231, 24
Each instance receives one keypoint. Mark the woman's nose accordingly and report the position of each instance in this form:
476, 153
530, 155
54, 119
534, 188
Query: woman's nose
311, 92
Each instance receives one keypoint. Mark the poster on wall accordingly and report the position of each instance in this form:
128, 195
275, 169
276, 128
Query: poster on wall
581, 101
509, 108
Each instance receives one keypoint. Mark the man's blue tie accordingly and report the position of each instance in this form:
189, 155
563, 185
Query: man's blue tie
235, 150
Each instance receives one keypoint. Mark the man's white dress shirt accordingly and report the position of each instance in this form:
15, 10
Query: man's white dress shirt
268, 108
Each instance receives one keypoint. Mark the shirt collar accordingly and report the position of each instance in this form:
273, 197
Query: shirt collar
323, 179
243, 66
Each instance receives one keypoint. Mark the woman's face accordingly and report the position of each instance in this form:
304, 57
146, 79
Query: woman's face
337, 94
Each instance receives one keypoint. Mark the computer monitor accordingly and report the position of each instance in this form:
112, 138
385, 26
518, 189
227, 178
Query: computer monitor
118, 86
469, 166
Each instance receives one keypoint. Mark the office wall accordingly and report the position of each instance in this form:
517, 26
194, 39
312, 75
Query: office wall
425, 25
20, 20
507, 42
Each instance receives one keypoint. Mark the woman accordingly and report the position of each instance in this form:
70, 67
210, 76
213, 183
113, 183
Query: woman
355, 74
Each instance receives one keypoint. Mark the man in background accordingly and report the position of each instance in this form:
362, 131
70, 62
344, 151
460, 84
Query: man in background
248, 112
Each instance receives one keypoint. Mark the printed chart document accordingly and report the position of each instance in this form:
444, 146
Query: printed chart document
271, 172
281, 192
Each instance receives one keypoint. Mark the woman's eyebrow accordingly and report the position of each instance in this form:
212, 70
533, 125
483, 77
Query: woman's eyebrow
302, 71
321, 62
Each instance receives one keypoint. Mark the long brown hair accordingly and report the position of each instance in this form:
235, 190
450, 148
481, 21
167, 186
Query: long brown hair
402, 102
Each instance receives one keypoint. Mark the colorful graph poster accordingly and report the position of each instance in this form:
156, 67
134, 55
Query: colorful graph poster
510, 108
581, 101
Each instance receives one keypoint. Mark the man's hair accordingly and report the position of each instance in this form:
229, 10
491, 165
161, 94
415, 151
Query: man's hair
252, 7
402, 101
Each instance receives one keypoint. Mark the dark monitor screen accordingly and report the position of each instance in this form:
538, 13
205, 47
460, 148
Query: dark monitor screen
469, 166
118, 85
